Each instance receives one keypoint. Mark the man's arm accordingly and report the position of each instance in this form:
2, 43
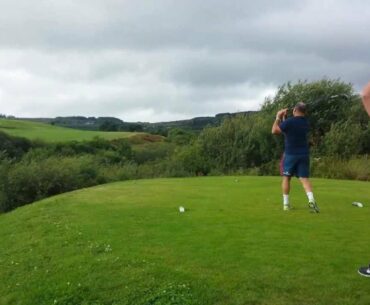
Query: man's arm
275, 127
366, 98
279, 116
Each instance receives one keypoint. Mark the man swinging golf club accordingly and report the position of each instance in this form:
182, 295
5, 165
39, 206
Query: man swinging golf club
296, 160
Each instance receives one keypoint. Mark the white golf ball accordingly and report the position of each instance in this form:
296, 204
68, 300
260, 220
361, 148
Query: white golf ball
181, 209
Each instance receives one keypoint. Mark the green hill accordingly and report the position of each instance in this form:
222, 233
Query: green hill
127, 243
50, 133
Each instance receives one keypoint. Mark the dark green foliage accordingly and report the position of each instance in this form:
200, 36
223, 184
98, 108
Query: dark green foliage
328, 102
13, 147
25, 182
152, 151
192, 160
343, 139
88, 123
339, 127
180, 136
132, 127
108, 126
56, 168
119, 147
355, 168
240, 142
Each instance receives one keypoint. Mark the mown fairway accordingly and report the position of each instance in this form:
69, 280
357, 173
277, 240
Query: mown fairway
49, 133
126, 243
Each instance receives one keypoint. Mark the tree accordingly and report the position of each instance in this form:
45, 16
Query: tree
108, 126
180, 136
328, 101
338, 126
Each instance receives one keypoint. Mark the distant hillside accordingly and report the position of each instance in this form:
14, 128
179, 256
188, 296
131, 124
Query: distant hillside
115, 124
48, 133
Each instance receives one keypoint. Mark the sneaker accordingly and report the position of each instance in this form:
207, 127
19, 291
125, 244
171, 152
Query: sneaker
286, 207
365, 271
313, 206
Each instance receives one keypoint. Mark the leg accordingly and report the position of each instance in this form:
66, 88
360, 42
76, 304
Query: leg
286, 167
303, 172
311, 200
285, 185
306, 184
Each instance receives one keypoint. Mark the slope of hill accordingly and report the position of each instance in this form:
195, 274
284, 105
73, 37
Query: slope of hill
92, 123
127, 243
50, 133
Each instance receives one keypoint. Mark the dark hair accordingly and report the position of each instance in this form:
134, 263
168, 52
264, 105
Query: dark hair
301, 107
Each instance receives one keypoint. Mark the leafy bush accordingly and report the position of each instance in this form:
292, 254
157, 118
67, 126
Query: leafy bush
339, 127
191, 159
13, 147
152, 151
356, 168
180, 136
343, 139
25, 182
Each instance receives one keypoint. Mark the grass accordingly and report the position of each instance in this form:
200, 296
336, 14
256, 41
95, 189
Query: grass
50, 133
126, 243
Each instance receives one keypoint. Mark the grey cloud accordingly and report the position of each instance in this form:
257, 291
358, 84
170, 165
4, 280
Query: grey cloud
151, 60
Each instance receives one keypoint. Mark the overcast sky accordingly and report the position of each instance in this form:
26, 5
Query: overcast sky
160, 60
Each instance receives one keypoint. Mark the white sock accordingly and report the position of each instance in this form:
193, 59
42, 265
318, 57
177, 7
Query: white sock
286, 199
310, 197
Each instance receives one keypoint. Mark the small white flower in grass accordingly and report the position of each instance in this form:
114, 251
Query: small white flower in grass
108, 248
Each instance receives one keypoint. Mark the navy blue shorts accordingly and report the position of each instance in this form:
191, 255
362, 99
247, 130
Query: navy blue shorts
295, 165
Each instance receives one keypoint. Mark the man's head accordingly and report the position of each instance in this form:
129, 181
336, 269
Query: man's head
300, 109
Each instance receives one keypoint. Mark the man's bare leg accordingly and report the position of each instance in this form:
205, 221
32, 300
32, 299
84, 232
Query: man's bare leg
308, 188
306, 184
285, 185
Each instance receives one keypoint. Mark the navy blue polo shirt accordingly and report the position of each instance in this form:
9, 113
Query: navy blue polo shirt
295, 130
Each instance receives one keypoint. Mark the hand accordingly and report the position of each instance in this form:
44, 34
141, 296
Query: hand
282, 113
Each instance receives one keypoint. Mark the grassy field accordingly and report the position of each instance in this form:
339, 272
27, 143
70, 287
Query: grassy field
49, 133
126, 243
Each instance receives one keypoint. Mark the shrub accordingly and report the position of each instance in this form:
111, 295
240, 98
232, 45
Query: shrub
151, 152
191, 159
13, 147
25, 182
343, 139
357, 168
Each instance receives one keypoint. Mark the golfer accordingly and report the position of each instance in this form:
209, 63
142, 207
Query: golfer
296, 159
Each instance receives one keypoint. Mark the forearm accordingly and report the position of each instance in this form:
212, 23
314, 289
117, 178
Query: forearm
275, 127
279, 116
